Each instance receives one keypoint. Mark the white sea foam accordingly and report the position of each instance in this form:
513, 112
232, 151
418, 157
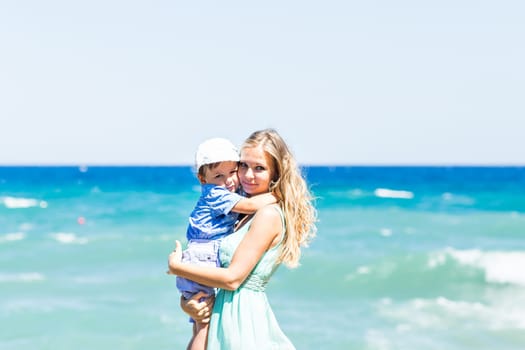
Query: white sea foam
443, 313
43, 305
90, 280
375, 339
95, 189
357, 192
506, 312
26, 226
437, 259
68, 238
499, 266
166, 237
515, 214
14, 236
457, 199
22, 277
168, 319
353, 193
447, 196
19, 202
385, 232
360, 270
363, 270
388, 193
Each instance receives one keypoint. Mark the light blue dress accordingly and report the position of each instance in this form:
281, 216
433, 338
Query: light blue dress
243, 319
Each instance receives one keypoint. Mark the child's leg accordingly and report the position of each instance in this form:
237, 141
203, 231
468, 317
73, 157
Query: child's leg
200, 337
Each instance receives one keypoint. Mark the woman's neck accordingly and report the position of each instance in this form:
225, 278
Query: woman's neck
243, 220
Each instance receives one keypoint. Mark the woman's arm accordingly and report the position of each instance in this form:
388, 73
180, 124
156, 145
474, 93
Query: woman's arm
263, 233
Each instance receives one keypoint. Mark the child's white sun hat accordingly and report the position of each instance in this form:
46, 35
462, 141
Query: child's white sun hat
215, 150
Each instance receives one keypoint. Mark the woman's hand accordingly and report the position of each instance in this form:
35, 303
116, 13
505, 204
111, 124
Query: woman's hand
199, 307
174, 259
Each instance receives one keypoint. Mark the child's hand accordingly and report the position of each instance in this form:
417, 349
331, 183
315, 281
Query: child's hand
199, 307
174, 259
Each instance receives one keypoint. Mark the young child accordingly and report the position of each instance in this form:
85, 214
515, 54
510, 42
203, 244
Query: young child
214, 216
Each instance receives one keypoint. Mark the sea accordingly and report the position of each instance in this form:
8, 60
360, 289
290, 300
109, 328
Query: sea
405, 258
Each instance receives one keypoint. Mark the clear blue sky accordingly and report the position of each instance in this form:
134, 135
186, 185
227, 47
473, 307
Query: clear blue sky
345, 82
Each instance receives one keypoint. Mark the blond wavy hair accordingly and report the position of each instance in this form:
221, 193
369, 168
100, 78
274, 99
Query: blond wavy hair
289, 186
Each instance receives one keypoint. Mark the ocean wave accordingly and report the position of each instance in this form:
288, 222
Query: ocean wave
21, 203
443, 313
44, 305
388, 193
26, 226
445, 272
453, 198
498, 266
91, 280
68, 238
14, 236
22, 277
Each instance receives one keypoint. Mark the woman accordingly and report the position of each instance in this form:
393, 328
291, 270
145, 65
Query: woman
242, 317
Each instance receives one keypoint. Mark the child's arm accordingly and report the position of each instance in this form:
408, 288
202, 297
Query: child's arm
249, 205
265, 228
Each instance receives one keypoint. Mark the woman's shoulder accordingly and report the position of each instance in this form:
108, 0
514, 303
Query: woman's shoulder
270, 209
270, 212
270, 220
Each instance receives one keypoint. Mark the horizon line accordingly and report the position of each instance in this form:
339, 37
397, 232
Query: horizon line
326, 165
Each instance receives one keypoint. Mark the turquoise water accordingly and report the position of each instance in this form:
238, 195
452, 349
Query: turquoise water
405, 258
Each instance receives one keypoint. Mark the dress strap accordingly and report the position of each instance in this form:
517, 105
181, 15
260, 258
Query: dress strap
283, 221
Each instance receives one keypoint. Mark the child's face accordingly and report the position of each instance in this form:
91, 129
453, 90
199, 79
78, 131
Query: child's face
224, 174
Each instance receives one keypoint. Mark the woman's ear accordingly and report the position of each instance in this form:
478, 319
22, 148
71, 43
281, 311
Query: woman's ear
201, 179
273, 184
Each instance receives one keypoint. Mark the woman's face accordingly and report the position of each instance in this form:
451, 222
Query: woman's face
254, 170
